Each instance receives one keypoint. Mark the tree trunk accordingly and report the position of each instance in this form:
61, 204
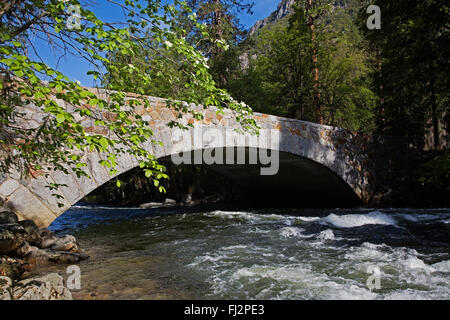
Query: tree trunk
217, 23
381, 111
218, 20
315, 61
435, 118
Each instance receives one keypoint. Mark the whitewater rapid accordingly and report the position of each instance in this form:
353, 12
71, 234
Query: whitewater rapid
264, 254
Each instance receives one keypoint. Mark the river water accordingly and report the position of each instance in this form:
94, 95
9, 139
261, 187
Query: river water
262, 254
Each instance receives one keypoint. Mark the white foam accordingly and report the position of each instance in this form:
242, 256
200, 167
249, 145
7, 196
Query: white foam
357, 220
250, 217
408, 294
443, 266
244, 272
415, 263
419, 217
301, 281
308, 219
293, 232
235, 247
326, 235
206, 259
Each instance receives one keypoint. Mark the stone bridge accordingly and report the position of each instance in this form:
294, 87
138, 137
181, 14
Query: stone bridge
318, 165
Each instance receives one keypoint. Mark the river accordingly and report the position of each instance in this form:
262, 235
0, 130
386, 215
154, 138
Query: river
262, 254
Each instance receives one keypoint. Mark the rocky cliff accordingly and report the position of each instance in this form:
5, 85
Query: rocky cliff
283, 9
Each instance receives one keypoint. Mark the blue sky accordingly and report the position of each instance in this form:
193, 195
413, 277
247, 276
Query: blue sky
75, 67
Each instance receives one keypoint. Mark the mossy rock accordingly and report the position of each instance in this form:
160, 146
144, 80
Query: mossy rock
8, 217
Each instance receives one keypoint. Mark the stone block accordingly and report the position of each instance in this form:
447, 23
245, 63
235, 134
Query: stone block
39, 187
8, 187
98, 172
73, 191
28, 207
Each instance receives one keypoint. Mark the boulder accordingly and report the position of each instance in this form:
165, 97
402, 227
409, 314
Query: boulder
186, 199
47, 238
30, 227
11, 270
66, 243
49, 287
12, 236
5, 288
44, 232
8, 217
45, 256
151, 205
23, 250
170, 202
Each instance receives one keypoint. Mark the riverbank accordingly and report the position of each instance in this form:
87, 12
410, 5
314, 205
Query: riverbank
23, 247
418, 180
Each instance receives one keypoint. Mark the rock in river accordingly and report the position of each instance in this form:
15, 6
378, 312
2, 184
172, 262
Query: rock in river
5, 288
12, 236
49, 287
32, 230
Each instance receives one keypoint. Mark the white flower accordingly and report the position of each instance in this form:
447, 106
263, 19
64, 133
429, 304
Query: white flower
168, 43
78, 82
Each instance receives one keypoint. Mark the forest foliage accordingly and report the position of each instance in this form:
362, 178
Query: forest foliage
320, 63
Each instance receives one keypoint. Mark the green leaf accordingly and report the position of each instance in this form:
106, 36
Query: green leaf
104, 143
60, 118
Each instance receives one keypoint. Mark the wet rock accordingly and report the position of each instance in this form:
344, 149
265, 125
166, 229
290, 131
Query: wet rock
12, 236
8, 217
51, 241
186, 199
32, 230
11, 270
23, 246
49, 287
66, 243
151, 205
47, 238
45, 256
23, 250
170, 202
167, 203
5, 288
44, 232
